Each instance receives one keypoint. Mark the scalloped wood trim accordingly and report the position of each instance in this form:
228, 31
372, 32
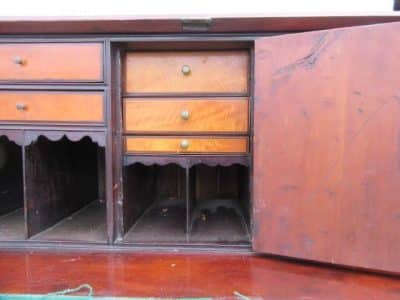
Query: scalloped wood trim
73, 136
16, 136
188, 161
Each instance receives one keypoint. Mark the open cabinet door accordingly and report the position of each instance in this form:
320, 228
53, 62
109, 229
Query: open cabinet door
327, 146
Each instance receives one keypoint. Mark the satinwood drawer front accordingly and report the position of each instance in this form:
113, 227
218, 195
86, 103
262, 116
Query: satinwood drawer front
52, 107
182, 115
59, 62
155, 72
189, 145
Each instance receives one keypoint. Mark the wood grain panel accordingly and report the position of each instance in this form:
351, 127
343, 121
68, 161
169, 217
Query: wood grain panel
326, 146
205, 115
210, 71
196, 145
51, 62
52, 106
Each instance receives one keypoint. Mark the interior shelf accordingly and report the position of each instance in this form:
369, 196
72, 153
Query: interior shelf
12, 221
86, 225
219, 224
201, 204
12, 226
160, 223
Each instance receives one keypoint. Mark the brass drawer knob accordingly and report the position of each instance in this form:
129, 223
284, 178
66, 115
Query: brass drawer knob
186, 70
185, 114
184, 144
18, 60
21, 106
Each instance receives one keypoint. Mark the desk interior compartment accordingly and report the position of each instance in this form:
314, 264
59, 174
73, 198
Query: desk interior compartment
12, 221
65, 191
154, 204
219, 205
174, 205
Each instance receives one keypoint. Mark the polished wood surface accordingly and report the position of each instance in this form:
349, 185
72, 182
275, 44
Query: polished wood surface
155, 24
203, 115
51, 106
208, 72
187, 275
326, 146
51, 62
195, 145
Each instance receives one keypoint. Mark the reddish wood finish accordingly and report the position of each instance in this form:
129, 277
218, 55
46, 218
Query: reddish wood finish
326, 146
204, 115
132, 24
52, 106
210, 72
179, 275
51, 62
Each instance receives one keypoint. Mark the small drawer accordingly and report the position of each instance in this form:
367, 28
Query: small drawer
187, 72
59, 107
52, 62
188, 145
181, 115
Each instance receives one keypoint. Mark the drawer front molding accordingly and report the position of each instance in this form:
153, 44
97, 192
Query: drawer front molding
51, 62
181, 115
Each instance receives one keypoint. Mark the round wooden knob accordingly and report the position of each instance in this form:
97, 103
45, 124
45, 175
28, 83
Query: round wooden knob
184, 144
21, 106
185, 114
18, 60
186, 70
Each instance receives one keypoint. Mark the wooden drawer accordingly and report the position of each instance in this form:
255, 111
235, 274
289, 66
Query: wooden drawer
52, 107
206, 145
181, 115
51, 62
208, 72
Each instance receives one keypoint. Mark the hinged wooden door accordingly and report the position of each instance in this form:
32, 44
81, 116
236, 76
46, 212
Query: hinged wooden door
327, 146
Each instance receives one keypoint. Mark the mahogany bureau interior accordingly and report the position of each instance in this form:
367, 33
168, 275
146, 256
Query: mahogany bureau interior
266, 142
187, 104
184, 121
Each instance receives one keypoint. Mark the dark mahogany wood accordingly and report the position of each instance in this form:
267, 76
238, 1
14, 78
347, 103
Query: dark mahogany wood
326, 152
132, 24
73, 136
188, 160
326, 146
187, 275
138, 193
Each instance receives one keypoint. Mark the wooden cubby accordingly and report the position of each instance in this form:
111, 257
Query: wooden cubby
171, 204
64, 191
219, 204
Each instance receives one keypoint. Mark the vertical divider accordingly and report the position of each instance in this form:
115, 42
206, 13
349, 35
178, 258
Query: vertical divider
23, 149
190, 199
188, 204
101, 174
